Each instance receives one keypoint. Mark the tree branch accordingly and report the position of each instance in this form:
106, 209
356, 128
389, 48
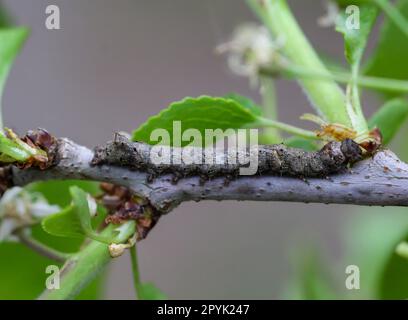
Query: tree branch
381, 180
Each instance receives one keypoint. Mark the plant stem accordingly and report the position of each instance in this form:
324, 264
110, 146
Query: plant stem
394, 15
386, 84
266, 123
41, 248
135, 269
268, 92
84, 266
326, 96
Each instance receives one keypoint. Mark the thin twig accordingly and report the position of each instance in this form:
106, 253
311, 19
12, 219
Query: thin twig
41, 248
135, 269
381, 180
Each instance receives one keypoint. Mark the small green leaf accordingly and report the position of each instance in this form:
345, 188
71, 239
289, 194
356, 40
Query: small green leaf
81, 207
345, 3
197, 113
310, 279
57, 191
389, 57
245, 102
6, 20
10, 151
64, 224
11, 41
74, 221
389, 118
148, 291
370, 239
356, 39
394, 279
20, 282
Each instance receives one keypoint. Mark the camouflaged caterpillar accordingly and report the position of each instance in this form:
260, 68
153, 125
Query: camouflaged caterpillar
276, 159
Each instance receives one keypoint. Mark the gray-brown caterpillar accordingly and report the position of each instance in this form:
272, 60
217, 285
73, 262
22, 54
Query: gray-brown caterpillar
277, 159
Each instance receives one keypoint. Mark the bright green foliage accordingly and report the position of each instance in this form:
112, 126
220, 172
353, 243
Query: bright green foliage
11, 41
13, 149
371, 238
10, 151
245, 102
89, 262
6, 20
394, 280
74, 220
310, 278
65, 223
344, 3
199, 113
389, 59
148, 291
356, 39
389, 118
20, 282
326, 96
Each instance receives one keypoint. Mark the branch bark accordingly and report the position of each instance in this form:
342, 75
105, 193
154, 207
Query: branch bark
379, 181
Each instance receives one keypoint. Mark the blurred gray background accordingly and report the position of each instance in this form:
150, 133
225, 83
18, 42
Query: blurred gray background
115, 63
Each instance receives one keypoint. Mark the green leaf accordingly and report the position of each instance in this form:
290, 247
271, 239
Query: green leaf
64, 224
310, 278
57, 191
74, 220
389, 118
389, 57
20, 282
81, 206
345, 3
394, 278
245, 102
10, 151
11, 41
6, 20
198, 113
356, 39
148, 291
370, 240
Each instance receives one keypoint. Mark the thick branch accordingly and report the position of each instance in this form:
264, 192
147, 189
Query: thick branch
381, 180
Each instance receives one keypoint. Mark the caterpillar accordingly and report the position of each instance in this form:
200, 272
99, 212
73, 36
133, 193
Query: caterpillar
277, 159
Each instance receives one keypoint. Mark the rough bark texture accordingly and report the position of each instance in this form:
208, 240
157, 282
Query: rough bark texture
381, 180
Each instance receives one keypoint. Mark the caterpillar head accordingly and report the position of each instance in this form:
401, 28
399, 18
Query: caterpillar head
336, 155
351, 150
